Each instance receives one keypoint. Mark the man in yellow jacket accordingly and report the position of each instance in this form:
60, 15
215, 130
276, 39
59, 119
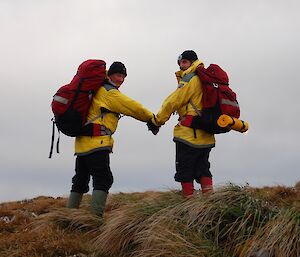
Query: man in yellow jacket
192, 145
93, 151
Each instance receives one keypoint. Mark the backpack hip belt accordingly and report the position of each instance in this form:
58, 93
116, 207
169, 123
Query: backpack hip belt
100, 130
186, 120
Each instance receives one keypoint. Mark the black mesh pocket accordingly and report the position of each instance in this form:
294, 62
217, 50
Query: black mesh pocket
70, 123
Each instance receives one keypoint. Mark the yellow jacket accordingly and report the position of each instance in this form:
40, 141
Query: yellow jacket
110, 98
189, 90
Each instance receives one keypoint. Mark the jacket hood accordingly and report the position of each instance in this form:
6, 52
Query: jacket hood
180, 74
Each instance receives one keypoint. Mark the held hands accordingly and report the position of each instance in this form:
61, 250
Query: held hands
152, 127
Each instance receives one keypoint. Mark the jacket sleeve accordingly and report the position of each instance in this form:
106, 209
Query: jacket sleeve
180, 97
120, 103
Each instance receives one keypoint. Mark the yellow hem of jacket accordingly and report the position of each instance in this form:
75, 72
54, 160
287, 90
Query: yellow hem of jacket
176, 139
109, 148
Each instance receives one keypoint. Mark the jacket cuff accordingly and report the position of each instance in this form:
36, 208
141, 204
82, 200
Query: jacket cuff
154, 121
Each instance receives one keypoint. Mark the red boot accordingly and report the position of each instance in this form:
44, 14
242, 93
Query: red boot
206, 185
187, 189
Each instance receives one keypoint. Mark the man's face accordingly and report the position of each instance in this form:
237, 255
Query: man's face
117, 78
184, 64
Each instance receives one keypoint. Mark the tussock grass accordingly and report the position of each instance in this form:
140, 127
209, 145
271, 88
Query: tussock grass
280, 195
115, 201
228, 217
118, 233
124, 224
297, 186
69, 219
210, 225
234, 221
219, 224
163, 238
279, 237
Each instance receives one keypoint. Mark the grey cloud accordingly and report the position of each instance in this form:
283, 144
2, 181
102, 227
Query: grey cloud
42, 44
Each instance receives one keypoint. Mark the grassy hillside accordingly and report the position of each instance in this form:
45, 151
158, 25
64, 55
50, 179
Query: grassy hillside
234, 221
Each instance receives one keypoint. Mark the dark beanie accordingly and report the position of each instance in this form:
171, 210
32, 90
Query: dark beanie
117, 67
188, 55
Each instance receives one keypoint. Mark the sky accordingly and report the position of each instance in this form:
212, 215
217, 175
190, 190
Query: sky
43, 42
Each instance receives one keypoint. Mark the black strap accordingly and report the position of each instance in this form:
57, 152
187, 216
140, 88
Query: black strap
52, 138
58, 139
244, 125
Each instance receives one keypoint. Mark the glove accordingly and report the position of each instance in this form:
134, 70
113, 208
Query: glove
152, 127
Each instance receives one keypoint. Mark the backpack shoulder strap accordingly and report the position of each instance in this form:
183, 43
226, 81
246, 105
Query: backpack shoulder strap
107, 87
195, 108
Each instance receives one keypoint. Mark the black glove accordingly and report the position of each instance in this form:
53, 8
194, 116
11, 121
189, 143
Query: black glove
152, 127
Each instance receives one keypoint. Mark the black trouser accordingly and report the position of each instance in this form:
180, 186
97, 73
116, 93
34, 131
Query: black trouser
191, 163
96, 165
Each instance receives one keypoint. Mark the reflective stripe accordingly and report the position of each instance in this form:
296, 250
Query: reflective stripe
188, 77
93, 119
109, 87
228, 102
60, 99
105, 131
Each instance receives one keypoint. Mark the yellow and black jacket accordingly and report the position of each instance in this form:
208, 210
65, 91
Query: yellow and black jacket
189, 92
114, 103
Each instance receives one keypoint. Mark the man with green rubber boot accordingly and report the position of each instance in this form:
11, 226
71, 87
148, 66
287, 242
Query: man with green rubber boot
93, 151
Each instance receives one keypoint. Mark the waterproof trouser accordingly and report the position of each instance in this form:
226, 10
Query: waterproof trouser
191, 163
95, 165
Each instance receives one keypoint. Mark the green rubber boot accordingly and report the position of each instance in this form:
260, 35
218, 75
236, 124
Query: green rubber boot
74, 200
98, 202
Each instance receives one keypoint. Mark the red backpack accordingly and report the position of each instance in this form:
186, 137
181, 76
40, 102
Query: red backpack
71, 103
217, 99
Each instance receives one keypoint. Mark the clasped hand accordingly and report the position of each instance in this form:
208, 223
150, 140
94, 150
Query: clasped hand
152, 127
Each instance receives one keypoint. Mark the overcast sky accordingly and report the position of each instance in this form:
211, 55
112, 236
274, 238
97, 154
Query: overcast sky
43, 42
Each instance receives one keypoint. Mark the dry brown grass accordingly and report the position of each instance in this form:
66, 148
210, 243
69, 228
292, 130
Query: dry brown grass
115, 201
69, 219
29, 230
163, 238
49, 241
280, 195
124, 224
234, 221
279, 237
39, 205
227, 218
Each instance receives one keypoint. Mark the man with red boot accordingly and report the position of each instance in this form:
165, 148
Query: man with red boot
192, 145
